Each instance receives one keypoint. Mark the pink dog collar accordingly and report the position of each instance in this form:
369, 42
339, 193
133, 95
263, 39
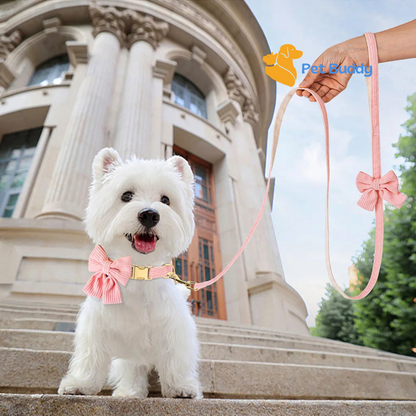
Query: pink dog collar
109, 273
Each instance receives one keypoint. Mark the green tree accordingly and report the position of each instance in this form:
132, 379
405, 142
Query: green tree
335, 319
386, 319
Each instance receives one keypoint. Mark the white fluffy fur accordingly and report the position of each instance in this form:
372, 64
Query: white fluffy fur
153, 327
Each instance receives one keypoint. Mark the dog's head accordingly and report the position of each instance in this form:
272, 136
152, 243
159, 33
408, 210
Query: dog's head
290, 52
141, 208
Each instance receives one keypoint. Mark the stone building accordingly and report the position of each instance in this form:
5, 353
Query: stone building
151, 78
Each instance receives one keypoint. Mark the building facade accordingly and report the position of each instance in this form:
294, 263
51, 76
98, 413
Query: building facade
151, 78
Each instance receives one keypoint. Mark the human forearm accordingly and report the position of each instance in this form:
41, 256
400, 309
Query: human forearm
393, 44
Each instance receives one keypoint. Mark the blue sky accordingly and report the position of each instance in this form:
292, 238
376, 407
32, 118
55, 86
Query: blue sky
298, 213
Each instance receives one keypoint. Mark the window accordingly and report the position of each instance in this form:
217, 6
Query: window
188, 95
209, 304
202, 184
50, 72
16, 154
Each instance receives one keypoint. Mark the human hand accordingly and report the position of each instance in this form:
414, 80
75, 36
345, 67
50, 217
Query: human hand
327, 85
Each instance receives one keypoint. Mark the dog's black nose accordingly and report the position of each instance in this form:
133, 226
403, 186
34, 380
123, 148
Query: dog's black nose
149, 217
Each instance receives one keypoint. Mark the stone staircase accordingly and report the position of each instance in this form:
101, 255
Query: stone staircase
244, 370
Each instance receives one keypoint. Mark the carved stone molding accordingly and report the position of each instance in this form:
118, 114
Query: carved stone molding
205, 21
108, 19
164, 69
144, 28
128, 25
198, 54
52, 26
6, 76
77, 52
9, 43
228, 112
249, 112
238, 92
196, 15
234, 86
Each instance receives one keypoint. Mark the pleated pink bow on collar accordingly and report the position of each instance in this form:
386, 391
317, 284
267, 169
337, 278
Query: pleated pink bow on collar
387, 187
108, 274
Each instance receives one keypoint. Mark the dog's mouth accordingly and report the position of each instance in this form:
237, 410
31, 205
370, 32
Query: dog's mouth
143, 243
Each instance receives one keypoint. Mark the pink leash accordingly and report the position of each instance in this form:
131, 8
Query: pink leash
374, 188
109, 274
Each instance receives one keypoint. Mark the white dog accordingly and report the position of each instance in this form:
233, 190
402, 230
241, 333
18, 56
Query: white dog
142, 209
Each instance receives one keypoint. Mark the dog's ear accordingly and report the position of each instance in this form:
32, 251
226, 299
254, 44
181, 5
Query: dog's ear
107, 160
182, 166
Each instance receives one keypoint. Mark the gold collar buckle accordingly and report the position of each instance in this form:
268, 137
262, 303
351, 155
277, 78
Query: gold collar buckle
140, 273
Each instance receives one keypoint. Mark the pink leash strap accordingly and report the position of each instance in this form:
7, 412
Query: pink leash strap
374, 189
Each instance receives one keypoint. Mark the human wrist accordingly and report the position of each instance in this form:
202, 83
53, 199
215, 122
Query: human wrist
357, 49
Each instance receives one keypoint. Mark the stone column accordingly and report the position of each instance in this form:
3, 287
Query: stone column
163, 71
86, 132
134, 128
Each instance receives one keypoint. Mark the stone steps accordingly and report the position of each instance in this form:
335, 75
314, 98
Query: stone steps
35, 405
242, 333
31, 371
234, 335
31, 306
315, 344
13, 313
238, 362
21, 317
62, 341
28, 323
290, 356
13, 310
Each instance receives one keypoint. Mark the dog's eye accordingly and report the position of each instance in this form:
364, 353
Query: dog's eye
165, 200
127, 196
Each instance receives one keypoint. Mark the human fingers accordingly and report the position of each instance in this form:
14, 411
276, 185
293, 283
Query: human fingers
332, 93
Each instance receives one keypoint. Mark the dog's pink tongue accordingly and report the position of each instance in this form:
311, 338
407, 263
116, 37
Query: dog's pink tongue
145, 244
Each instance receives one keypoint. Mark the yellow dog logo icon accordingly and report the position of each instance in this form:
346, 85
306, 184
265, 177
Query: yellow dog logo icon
282, 69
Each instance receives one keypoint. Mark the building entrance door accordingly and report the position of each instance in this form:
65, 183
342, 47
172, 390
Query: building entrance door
202, 261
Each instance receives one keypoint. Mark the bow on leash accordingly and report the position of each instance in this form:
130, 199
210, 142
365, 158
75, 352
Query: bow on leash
386, 188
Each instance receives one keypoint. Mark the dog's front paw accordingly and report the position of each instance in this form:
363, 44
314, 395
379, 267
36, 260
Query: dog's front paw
71, 386
191, 390
123, 392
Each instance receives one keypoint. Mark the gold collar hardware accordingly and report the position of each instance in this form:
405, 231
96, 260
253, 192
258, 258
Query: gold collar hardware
142, 273
189, 284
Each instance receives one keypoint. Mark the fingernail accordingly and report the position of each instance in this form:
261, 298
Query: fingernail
302, 84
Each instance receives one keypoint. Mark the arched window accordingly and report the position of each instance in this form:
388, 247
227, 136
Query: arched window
16, 154
188, 95
50, 72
